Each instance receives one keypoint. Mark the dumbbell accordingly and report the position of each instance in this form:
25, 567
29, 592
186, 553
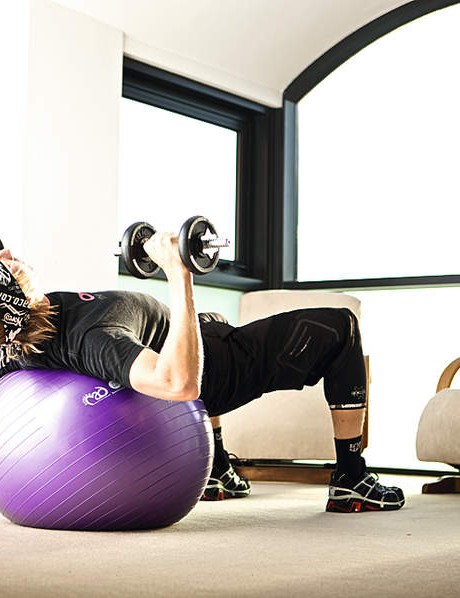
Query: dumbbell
198, 242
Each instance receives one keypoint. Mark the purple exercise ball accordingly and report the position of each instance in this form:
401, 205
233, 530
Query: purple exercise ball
79, 454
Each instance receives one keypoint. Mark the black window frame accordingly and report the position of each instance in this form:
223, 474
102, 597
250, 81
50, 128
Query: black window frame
286, 274
253, 124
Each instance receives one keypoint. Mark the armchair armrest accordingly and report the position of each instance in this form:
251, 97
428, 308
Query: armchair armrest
448, 374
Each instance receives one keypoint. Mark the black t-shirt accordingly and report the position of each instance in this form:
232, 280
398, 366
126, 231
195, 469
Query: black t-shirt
100, 334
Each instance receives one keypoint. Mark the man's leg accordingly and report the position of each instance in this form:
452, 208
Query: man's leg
352, 488
298, 348
348, 434
348, 423
224, 482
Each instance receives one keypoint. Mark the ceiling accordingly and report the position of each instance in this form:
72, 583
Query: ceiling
253, 48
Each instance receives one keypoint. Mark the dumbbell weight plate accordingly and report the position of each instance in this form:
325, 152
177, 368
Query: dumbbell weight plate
136, 260
191, 246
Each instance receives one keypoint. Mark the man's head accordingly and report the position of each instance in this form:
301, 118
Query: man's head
24, 310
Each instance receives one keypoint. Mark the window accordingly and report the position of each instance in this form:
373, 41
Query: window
187, 149
378, 153
173, 167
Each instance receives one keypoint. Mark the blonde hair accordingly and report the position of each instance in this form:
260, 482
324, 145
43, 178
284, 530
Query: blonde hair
40, 326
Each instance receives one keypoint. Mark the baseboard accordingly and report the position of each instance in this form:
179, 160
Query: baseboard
284, 470
306, 474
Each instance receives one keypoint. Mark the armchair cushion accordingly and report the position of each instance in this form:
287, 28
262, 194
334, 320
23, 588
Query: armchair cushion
438, 434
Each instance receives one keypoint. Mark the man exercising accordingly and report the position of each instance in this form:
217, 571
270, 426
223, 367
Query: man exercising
172, 354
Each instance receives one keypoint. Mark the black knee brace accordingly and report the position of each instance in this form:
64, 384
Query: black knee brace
345, 378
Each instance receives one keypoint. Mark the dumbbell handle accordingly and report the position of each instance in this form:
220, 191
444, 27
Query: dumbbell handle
216, 243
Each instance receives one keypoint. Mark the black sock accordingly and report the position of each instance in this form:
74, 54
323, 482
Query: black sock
349, 458
218, 437
220, 456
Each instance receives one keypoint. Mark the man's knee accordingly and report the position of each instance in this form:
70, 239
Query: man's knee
354, 332
354, 324
345, 382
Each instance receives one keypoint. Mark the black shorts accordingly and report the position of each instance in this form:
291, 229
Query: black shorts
283, 352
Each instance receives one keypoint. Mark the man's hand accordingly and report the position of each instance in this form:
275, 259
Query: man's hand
163, 249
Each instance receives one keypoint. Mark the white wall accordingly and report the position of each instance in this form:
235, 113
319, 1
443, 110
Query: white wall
14, 68
74, 89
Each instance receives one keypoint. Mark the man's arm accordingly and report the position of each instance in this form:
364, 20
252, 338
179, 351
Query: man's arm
175, 373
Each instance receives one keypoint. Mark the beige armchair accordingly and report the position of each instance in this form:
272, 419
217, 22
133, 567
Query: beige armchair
285, 425
438, 434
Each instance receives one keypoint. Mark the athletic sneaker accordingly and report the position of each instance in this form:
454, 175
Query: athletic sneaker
225, 482
366, 494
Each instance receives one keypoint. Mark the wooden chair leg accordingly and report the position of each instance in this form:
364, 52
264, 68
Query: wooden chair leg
445, 485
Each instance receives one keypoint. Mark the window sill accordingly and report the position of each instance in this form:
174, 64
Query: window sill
227, 275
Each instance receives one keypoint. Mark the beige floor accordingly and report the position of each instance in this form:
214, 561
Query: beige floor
278, 542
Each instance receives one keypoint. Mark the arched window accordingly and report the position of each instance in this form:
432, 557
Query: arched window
379, 208
379, 183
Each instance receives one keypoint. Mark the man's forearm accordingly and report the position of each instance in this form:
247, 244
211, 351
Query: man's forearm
180, 362
174, 373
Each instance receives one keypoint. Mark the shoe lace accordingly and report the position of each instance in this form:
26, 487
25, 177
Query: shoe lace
380, 487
